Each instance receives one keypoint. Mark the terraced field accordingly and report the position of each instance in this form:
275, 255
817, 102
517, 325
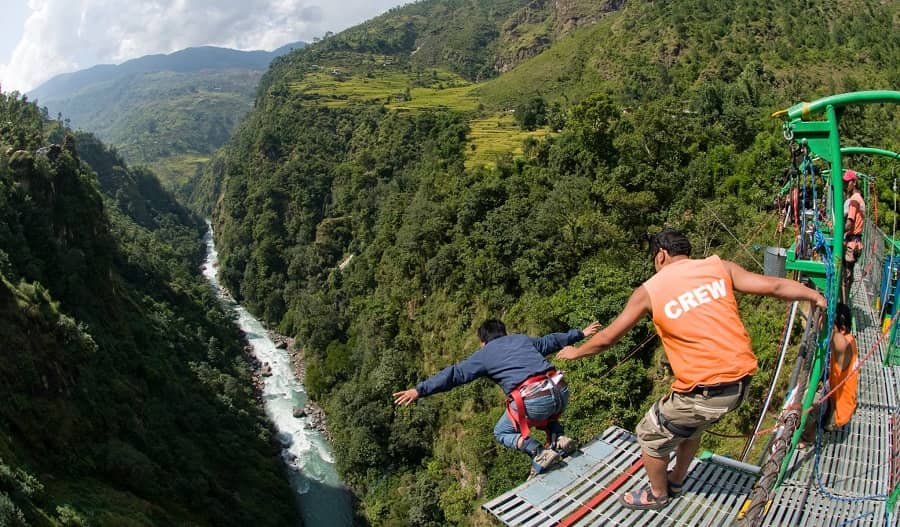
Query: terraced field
496, 135
176, 171
399, 91
491, 135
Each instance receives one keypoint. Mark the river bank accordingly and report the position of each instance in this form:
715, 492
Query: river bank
300, 429
311, 412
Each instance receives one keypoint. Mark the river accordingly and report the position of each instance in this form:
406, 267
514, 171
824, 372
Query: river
322, 499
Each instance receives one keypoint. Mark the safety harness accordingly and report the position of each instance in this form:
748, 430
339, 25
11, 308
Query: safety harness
515, 404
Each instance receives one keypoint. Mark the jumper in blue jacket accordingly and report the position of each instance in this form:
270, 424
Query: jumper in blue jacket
507, 360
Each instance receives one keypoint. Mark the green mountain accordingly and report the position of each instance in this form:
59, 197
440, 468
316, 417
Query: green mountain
127, 398
170, 112
507, 159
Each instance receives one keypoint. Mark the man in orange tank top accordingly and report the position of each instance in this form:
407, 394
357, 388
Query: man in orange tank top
855, 219
696, 316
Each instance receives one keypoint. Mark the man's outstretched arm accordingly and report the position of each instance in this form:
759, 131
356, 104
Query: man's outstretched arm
782, 288
635, 309
450, 377
556, 341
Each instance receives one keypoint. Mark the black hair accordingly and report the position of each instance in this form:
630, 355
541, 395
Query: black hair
675, 243
842, 317
491, 329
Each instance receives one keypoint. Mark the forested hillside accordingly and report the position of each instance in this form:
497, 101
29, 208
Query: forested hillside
170, 112
126, 397
528, 197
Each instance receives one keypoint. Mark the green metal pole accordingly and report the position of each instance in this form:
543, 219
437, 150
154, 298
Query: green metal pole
837, 250
806, 110
837, 193
869, 151
892, 500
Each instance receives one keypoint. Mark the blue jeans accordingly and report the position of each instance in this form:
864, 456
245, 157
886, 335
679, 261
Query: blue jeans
537, 409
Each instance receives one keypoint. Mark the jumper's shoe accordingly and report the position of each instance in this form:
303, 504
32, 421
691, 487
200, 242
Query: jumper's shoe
566, 445
543, 461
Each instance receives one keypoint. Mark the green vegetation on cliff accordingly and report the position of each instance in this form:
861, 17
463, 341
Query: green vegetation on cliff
126, 397
640, 115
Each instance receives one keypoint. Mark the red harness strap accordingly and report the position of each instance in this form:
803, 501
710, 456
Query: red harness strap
515, 406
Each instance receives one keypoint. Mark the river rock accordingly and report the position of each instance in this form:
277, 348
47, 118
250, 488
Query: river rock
299, 412
285, 439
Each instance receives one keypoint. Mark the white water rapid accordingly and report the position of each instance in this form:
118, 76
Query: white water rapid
322, 498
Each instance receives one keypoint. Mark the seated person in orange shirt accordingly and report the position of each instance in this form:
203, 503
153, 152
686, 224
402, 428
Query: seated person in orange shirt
840, 407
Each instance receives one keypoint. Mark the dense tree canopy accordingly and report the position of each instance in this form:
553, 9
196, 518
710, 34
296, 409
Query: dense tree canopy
364, 223
127, 399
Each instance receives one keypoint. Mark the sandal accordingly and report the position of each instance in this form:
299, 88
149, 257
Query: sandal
675, 489
639, 502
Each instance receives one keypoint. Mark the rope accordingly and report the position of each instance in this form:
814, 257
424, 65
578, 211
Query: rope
856, 518
789, 409
630, 354
785, 339
829, 392
770, 472
737, 240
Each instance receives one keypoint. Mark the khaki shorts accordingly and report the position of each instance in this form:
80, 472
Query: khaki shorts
692, 413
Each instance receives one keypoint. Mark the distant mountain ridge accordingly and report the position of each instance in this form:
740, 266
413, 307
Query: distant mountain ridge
170, 112
186, 60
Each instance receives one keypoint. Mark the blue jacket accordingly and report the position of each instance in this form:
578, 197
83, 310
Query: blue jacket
506, 360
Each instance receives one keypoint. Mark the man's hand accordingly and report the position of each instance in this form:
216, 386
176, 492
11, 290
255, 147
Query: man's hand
591, 329
406, 397
569, 352
821, 302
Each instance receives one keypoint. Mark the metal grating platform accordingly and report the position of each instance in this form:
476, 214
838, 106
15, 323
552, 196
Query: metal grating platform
854, 464
801, 506
712, 493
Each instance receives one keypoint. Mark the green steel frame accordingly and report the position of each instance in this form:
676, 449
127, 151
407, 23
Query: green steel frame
823, 139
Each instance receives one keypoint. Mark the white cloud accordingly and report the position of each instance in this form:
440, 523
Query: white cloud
68, 35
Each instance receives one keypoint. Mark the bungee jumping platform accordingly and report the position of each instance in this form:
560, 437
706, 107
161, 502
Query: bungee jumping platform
586, 488
842, 482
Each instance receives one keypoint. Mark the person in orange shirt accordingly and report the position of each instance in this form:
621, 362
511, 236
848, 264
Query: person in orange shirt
854, 222
844, 357
694, 310
841, 406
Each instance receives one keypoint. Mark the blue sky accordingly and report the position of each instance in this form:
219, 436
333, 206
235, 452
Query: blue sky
43, 38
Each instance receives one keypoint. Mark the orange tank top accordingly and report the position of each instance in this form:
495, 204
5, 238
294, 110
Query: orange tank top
859, 217
845, 395
696, 316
